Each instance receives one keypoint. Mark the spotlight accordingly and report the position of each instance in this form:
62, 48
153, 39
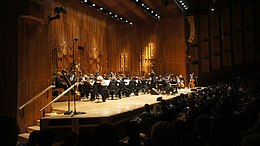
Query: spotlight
57, 12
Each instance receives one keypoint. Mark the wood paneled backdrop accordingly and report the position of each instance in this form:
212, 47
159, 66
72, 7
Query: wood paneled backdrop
104, 40
47, 47
223, 41
226, 40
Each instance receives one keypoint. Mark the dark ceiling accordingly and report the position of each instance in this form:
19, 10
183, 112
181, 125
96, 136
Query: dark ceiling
132, 12
128, 9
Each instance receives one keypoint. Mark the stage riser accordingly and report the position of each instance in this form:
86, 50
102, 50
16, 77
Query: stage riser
62, 126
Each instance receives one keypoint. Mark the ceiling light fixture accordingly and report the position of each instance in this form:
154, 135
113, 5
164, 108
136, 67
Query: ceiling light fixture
146, 8
181, 4
99, 8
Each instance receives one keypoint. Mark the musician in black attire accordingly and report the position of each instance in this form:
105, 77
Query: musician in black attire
59, 82
153, 79
144, 85
87, 88
113, 87
133, 88
122, 88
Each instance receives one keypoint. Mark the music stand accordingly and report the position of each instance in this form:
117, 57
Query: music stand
74, 67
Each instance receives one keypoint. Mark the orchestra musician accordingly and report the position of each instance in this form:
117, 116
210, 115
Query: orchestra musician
98, 88
122, 87
113, 86
191, 84
153, 79
59, 83
133, 87
87, 88
144, 85
180, 81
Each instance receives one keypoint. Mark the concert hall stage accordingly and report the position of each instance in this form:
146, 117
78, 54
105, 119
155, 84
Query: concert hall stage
117, 112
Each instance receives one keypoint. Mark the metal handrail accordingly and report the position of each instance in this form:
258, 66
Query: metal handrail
57, 98
35, 97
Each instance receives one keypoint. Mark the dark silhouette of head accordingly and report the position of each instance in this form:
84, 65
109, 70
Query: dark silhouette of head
105, 135
9, 131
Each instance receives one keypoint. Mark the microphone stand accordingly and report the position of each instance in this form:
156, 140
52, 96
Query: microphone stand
75, 76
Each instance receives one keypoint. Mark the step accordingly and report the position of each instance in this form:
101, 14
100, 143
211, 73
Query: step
57, 111
23, 137
38, 122
33, 128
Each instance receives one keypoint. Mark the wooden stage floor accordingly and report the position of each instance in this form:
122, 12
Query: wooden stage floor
94, 109
117, 112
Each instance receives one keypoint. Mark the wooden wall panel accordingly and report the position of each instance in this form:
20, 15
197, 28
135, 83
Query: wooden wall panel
173, 46
205, 65
226, 22
249, 33
34, 68
215, 54
91, 33
8, 58
226, 51
238, 48
236, 11
204, 27
214, 26
215, 43
194, 60
226, 39
205, 56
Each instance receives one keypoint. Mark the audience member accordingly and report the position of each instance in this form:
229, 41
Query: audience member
105, 135
9, 131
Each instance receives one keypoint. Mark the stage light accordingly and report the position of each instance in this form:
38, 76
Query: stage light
145, 7
57, 11
102, 9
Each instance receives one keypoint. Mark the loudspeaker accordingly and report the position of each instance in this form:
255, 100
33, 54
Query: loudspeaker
191, 21
154, 92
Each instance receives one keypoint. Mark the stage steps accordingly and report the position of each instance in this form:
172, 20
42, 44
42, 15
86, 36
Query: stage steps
24, 137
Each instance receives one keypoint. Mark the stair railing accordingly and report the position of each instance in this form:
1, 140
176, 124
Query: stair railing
57, 98
35, 97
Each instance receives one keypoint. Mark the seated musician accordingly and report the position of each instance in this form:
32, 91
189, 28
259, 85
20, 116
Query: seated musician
145, 85
133, 88
180, 81
171, 85
112, 87
98, 88
88, 88
60, 83
122, 88
191, 81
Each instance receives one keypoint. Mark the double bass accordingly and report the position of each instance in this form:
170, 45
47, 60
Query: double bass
192, 81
